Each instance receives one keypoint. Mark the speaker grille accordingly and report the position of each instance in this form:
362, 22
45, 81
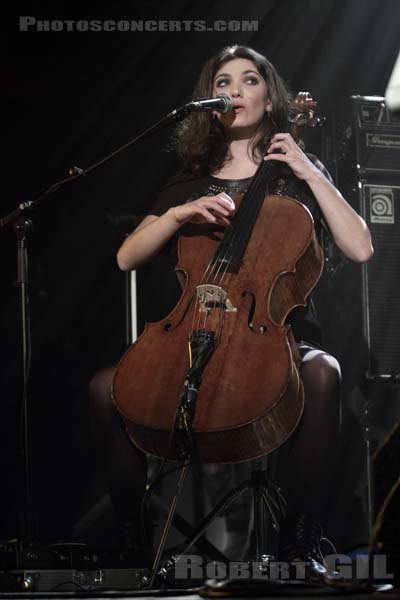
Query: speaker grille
380, 207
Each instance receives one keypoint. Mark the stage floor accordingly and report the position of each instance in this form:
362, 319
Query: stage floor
213, 589
171, 594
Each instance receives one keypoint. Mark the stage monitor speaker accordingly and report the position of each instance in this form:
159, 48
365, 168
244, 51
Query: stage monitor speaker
379, 204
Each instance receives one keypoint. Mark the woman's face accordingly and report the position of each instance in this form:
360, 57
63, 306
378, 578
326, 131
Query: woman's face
240, 79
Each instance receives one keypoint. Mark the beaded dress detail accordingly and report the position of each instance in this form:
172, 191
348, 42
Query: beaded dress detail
233, 187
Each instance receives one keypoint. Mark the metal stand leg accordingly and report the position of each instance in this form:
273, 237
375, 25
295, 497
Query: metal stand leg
168, 524
368, 435
269, 507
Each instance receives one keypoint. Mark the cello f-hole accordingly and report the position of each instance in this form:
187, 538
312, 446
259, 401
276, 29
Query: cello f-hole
262, 328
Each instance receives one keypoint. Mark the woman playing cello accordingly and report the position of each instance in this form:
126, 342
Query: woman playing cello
220, 156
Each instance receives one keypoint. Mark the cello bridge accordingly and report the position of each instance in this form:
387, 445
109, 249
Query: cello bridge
213, 296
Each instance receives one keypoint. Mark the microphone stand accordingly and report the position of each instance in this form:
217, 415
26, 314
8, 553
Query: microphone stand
23, 226
202, 343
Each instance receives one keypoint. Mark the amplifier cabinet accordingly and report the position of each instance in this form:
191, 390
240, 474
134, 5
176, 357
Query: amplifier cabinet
379, 205
369, 141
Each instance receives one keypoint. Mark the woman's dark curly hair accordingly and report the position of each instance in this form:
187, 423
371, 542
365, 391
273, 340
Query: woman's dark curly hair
201, 141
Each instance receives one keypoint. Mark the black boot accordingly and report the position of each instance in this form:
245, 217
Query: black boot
301, 543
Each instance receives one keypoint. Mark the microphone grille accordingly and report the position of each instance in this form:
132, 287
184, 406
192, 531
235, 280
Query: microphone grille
227, 101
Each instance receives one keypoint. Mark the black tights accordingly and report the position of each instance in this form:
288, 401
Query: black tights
309, 455
125, 466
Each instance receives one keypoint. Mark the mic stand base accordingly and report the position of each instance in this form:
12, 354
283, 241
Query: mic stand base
269, 507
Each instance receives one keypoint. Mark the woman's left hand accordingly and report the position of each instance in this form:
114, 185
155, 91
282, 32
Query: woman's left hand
348, 229
291, 154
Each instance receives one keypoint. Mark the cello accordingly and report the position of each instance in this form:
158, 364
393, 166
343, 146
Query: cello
219, 375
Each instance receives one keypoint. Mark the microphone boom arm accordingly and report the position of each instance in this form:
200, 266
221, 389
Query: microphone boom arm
223, 101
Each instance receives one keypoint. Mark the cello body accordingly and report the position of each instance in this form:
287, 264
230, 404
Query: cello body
251, 397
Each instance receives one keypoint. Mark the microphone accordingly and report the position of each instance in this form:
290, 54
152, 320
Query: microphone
222, 103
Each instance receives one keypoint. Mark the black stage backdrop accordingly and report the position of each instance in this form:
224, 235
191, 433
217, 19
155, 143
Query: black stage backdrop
74, 96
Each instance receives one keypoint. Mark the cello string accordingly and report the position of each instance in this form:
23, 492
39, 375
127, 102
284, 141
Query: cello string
249, 215
196, 314
219, 324
261, 178
234, 235
233, 231
225, 241
224, 257
246, 215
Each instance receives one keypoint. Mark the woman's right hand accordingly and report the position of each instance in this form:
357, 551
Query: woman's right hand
153, 232
207, 209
